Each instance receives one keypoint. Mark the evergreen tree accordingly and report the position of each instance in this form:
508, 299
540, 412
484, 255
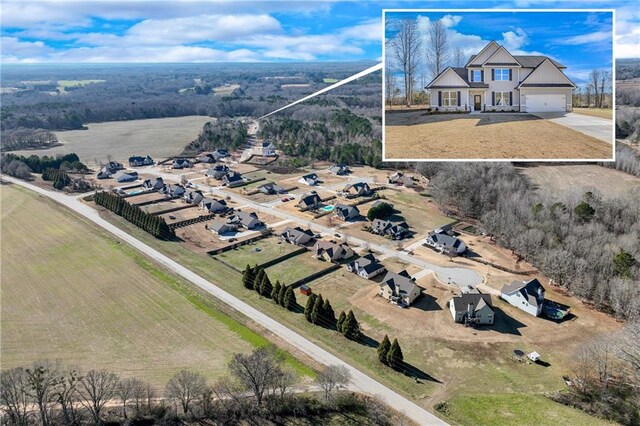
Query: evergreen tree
290, 301
383, 349
328, 314
265, 286
350, 327
309, 307
341, 318
316, 313
282, 294
394, 356
247, 277
276, 291
257, 281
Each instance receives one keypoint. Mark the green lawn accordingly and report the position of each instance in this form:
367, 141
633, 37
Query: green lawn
514, 409
330, 80
258, 252
295, 268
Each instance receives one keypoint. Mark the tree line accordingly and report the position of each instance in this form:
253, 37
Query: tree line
153, 224
256, 278
257, 389
584, 242
224, 133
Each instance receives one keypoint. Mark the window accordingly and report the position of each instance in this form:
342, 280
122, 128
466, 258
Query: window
477, 75
449, 98
501, 74
502, 98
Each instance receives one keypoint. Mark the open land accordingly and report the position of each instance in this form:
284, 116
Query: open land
157, 137
595, 112
417, 135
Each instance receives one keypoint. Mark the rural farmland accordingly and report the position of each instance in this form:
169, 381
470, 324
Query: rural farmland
157, 137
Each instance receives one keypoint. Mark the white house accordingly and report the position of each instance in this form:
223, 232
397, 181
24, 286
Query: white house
445, 243
496, 80
310, 179
525, 295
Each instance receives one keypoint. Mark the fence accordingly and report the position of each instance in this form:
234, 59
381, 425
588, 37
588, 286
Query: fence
265, 233
316, 275
175, 209
146, 203
191, 221
502, 268
282, 258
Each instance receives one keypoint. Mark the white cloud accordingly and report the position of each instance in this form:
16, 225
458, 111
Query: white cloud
587, 38
368, 30
513, 40
16, 48
450, 20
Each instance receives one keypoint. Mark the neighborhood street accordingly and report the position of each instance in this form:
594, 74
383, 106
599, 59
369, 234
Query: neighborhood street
359, 381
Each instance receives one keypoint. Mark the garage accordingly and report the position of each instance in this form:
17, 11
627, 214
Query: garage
545, 103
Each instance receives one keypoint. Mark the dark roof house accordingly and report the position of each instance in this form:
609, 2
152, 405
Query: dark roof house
366, 266
344, 212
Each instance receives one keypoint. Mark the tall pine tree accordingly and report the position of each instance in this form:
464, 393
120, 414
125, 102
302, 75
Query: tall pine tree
350, 327
383, 349
341, 318
316, 313
247, 277
394, 356
257, 281
282, 294
289, 301
328, 314
309, 307
265, 286
277, 287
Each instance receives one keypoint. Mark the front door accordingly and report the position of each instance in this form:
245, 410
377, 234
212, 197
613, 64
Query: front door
477, 99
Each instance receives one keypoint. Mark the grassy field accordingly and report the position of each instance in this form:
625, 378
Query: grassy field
511, 409
595, 112
414, 135
573, 178
295, 268
256, 253
330, 80
71, 293
157, 137
225, 90
64, 84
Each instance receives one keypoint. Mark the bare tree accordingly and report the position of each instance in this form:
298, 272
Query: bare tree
138, 393
43, 378
605, 79
458, 57
14, 397
437, 49
331, 377
185, 388
389, 85
95, 389
66, 395
594, 80
257, 371
588, 90
282, 381
405, 49
126, 390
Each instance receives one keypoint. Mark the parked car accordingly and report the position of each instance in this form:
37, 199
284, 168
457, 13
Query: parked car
171, 216
231, 240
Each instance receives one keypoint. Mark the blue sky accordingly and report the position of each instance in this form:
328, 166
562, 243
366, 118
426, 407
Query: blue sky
49, 31
581, 41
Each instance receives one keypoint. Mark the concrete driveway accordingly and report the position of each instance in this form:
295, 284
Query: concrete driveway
599, 128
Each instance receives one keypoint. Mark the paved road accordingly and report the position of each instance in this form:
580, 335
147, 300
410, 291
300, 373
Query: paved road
599, 128
359, 381
459, 276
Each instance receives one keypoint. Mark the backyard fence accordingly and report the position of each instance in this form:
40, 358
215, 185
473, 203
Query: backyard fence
316, 275
146, 203
266, 233
282, 258
175, 209
192, 221
502, 268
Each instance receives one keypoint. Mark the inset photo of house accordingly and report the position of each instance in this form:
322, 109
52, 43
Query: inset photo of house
510, 85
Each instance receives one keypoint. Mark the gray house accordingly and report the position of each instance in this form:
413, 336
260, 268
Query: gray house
525, 295
366, 266
358, 189
232, 179
221, 227
395, 230
472, 308
175, 190
311, 179
122, 176
445, 243
137, 161
296, 236
310, 201
193, 196
181, 163
271, 189
344, 212
496, 80
245, 220
109, 169
399, 289
213, 206
157, 184
339, 169
218, 171
332, 252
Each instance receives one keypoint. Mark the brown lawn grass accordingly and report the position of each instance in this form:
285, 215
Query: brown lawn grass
595, 112
414, 135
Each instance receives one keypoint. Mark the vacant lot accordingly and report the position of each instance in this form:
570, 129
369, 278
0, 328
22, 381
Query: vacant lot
158, 137
256, 253
410, 135
73, 294
579, 178
295, 268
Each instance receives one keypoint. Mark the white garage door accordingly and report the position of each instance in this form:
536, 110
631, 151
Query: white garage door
545, 103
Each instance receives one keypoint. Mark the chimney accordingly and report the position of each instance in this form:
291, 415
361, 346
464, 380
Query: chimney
470, 310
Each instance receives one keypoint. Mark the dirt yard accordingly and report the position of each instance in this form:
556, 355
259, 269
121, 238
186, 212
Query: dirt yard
414, 135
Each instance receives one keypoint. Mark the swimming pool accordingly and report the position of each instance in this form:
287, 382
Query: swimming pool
328, 208
137, 191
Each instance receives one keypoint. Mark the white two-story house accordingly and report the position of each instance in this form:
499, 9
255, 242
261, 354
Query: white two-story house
496, 80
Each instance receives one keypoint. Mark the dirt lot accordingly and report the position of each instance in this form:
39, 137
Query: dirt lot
147, 197
579, 178
414, 135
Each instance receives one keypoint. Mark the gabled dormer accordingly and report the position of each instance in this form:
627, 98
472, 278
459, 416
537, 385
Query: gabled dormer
547, 74
501, 57
476, 61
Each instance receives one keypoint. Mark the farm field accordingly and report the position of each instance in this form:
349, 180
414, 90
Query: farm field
225, 90
110, 308
448, 358
157, 137
579, 178
410, 135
